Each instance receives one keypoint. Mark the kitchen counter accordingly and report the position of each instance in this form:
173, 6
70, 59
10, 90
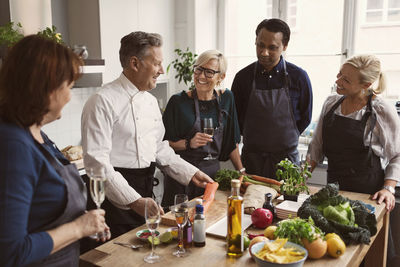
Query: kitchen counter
214, 253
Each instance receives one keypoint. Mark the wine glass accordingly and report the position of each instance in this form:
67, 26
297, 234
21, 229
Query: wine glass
181, 217
153, 218
208, 128
97, 191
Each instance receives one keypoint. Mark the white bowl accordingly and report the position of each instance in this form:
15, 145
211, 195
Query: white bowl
263, 263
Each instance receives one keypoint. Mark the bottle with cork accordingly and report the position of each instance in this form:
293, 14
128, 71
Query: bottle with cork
235, 217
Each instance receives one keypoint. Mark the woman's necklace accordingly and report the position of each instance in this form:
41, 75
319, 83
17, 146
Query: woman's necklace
349, 106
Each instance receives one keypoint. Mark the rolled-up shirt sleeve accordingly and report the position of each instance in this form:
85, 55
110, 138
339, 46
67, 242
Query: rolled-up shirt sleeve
386, 141
97, 127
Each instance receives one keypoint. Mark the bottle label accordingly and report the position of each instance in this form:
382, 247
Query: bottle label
189, 234
199, 231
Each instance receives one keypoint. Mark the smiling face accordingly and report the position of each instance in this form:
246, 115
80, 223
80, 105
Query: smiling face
148, 69
348, 81
204, 84
269, 48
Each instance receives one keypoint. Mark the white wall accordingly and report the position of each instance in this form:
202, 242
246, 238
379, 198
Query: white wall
34, 15
120, 17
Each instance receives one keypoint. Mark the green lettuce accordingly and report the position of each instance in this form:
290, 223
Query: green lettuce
348, 218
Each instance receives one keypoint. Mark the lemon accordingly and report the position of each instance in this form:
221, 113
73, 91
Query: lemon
156, 240
336, 247
174, 234
269, 232
331, 235
166, 237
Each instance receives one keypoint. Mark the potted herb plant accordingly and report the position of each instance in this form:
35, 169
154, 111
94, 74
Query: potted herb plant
294, 179
183, 65
52, 34
10, 34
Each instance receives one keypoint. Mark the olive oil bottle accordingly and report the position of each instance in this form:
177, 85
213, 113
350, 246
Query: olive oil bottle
235, 216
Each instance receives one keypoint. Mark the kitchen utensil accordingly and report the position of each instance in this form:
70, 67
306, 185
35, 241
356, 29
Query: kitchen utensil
128, 245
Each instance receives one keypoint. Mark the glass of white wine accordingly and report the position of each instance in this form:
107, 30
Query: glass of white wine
153, 218
208, 128
181, 217
97, 191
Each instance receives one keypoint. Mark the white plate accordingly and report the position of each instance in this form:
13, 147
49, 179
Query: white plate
289, 206
302, 197
219, 228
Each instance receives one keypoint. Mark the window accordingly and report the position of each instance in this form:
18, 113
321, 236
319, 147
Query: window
384, 42
381, 12
241, 20
326, 33
292, 14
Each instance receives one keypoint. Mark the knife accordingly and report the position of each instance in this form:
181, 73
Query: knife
190, 204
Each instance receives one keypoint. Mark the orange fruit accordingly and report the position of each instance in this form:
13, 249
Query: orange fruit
316, 249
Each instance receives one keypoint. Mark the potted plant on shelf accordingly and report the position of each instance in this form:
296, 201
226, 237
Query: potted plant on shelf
294, 179
184, 66
10, 34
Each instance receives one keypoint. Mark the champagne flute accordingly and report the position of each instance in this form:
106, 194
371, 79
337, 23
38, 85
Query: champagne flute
208, 129
181, 217
153, 218
97, 191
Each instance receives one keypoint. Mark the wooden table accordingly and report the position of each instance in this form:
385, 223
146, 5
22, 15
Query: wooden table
214, 253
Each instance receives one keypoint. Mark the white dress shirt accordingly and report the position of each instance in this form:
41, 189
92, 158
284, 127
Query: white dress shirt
385, 136
122, 127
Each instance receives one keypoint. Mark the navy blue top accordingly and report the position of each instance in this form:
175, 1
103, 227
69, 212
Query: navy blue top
300, 90
32, 195
179, 117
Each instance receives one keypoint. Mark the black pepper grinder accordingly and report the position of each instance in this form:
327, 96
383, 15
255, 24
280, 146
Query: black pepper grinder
268, 204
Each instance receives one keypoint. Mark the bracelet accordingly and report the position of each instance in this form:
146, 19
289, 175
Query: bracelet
242, 170
187, 144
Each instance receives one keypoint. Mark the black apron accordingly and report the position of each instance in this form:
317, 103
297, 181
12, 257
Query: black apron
270, 132
75, 207
196, 156
350, 163
121, 221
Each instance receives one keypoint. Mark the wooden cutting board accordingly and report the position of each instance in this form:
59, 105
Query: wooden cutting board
216, 211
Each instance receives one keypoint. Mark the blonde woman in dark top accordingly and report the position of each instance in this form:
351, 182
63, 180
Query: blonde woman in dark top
184, 127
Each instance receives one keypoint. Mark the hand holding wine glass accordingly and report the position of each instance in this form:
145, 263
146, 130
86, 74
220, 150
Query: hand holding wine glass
97, 192
153, 218
208, 128
181, 217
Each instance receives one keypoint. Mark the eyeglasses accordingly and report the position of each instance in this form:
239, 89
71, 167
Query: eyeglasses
209, 73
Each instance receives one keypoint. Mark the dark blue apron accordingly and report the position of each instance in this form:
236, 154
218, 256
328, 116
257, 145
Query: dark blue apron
121, 221
75, 207
195, 156
350, 163
270, 132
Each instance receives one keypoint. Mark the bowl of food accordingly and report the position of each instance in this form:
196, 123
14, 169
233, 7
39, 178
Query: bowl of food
145, 234
278, 253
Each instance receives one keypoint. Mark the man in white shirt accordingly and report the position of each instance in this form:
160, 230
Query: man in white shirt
122, 130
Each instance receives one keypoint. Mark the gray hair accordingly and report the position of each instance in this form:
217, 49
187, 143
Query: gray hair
137, 44
213, 54
369, 67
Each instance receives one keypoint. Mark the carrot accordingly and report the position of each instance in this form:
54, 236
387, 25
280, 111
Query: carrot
209, 195
265, 180
241, 179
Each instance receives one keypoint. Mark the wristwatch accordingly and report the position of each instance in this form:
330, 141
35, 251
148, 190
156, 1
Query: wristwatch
389, 188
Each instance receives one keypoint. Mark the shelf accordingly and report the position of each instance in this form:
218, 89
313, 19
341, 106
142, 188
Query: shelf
93, 66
